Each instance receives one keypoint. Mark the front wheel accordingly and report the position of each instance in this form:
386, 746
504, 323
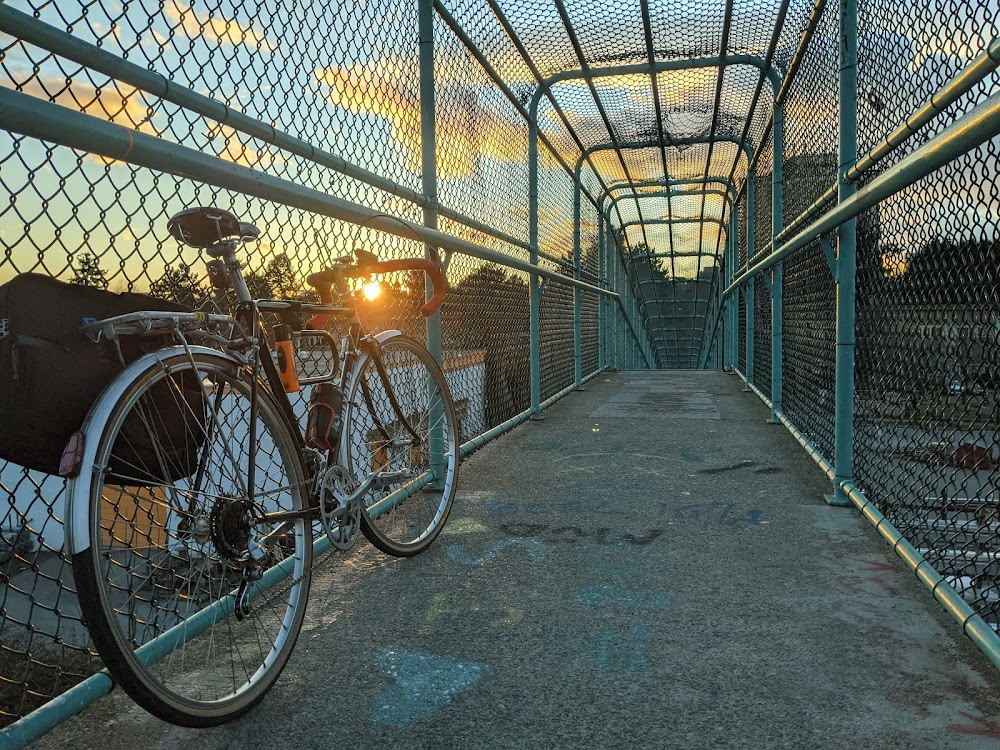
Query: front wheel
400, 424
193, 603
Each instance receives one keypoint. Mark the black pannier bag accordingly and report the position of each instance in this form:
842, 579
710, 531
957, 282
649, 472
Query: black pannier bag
51, 373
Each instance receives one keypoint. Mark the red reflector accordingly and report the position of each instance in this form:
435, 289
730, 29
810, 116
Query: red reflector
72, 456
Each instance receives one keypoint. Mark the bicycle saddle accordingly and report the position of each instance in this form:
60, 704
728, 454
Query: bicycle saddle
203, 227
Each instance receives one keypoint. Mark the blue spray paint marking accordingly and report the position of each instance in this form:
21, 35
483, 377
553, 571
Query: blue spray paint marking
535, 549
631, 656
606, 595
424, 683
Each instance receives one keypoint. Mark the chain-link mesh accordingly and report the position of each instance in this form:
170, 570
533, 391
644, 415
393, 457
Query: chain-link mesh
927, 422
345, 81
351, 96
809, 167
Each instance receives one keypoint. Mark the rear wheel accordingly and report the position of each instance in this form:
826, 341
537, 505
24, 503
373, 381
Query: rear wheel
174, 542
413, 449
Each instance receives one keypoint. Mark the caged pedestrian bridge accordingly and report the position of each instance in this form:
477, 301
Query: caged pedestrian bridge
722, 328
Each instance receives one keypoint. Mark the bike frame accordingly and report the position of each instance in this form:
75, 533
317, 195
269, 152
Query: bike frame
355, 344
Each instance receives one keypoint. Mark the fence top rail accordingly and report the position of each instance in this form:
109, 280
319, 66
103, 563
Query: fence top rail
35, 118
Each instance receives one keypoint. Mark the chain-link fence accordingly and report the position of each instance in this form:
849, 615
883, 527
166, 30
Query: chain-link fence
575, 148
330, 101
927, 403
889, 374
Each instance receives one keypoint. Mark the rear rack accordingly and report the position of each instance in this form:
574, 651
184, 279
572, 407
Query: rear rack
147, 321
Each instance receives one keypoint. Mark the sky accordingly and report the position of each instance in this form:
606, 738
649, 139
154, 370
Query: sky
344, 77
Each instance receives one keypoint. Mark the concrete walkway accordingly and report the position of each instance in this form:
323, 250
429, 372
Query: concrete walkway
651, 566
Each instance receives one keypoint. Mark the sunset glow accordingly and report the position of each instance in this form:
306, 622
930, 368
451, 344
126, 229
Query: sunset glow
371, 290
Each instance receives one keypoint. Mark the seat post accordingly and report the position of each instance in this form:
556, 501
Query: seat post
226, 249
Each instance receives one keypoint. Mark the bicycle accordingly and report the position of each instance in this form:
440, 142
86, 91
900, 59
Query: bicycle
197, 497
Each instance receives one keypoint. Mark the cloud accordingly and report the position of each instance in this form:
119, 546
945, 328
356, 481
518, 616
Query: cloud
232, 148
117, 103
387, 87
215, 29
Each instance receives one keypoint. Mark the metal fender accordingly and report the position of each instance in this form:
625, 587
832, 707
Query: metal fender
380, 337
78, 488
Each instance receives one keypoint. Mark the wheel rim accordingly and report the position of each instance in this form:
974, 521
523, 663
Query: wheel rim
408, 514
169, 541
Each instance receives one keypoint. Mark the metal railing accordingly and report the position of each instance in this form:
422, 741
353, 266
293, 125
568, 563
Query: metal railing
662, 200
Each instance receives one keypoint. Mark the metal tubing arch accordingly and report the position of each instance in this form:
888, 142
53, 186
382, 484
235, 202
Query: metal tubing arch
660, 66
679, 220
692, 254
726, 195
673, 143
730, 187
670, 281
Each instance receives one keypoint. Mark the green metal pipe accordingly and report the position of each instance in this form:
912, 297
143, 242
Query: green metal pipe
808, 446
726, 195
729, 361
645, 282
35, 118
973, 625
692, 254
846, 256
749, 300
678, 220
673, 143
751, 388
602, 275
535, 291
777, 276
577, 294
44, 719
660, 66
428, 161
625, 185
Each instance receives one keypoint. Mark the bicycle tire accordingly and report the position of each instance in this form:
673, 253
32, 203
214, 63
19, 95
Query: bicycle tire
165, 557
404, 519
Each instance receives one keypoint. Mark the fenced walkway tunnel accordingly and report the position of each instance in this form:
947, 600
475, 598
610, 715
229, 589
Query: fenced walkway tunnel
723, 313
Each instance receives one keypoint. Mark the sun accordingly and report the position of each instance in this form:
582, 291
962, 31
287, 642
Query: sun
371, 290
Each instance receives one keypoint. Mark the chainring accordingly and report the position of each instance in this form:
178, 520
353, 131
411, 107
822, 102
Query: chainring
340, 522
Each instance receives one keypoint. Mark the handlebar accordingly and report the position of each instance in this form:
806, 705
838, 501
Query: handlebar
322, 281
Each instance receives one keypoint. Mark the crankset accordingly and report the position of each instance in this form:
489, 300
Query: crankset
341, 519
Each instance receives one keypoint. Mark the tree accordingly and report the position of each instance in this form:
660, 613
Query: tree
88, 272
180, 285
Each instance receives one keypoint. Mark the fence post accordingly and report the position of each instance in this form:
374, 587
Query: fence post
734, 299
577, 294
846, 255
749, 298
428, 159
601, 338
535, 290
777, 275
